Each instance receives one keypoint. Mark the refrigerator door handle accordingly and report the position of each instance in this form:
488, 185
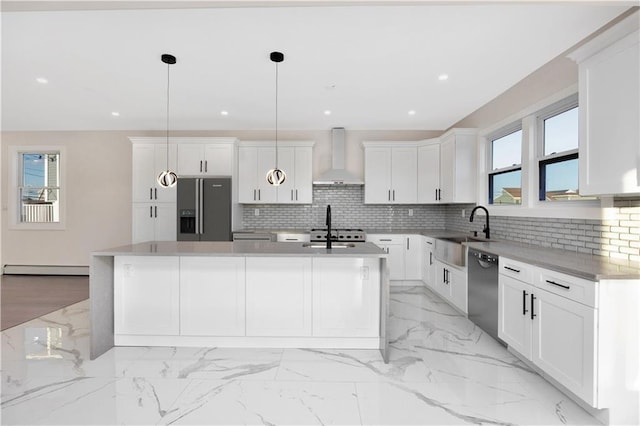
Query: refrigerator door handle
200, 206
197, 209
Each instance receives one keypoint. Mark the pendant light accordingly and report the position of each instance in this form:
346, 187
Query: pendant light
276, 176
168, 178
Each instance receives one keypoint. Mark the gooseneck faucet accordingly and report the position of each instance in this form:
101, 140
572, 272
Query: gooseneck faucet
486, 212
328, 226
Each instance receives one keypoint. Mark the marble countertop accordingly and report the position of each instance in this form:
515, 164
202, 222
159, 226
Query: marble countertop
238, 248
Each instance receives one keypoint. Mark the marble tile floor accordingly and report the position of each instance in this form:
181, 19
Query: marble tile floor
443, 370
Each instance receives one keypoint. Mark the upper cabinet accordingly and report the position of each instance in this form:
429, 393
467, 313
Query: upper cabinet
255, 159
458, 166
206, 158
148, 160
429, 190
609, 97
390, 173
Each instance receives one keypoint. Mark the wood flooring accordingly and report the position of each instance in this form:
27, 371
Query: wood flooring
25, 297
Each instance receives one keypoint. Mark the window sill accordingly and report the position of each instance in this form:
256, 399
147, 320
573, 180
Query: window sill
575, 210
38, 226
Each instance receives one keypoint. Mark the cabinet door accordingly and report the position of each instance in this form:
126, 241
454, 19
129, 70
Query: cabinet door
287, 163
441, 285
218, 159
166, 222
564, 342
161, 194
514, 314
429, 270
609, 125
266, 161
303, 175
212, 296
143, 172
428, 173
190, 159
346, 297
247, 175
458, 284
404, 175
395, 261
143, 223
278, 299
377, 175
447, 169
146, 295
413, 258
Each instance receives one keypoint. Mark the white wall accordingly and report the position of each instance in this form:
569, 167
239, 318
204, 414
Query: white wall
98, 193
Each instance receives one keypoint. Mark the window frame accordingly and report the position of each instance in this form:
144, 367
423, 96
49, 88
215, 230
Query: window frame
498, 134
15, 183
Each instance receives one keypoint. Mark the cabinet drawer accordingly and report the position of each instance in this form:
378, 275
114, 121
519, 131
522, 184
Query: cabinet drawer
573, 288
518, 270
386, 239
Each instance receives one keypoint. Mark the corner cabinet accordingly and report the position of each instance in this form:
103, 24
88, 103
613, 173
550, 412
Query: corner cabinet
458, 166
405, 252
609, 96
255, 159
390, 173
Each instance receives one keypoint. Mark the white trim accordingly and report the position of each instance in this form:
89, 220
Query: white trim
250, 341
14, 178
182, 139
263, 143
45, 270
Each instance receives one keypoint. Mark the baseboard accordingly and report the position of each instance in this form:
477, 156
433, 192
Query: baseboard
44, 270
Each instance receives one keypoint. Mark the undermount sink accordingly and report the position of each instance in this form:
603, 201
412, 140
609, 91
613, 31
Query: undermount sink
462, 239
324, 245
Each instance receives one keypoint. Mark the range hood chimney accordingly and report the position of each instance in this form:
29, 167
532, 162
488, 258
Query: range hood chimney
337, 175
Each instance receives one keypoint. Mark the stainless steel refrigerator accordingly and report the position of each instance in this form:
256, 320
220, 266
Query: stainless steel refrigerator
204, 209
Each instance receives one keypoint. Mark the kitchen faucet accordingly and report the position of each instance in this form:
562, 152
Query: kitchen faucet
486, 212
328, 226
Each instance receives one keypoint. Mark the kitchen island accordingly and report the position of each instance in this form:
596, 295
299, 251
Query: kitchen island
239, 294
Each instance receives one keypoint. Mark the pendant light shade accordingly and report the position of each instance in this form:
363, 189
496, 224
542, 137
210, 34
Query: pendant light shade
276, 176
168, 178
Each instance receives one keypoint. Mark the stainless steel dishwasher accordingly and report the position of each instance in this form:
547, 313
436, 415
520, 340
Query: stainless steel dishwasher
483, 291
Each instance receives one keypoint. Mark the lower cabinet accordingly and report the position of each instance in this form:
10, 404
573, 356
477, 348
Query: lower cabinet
405, 255
278, 298
154, 222
451, 284
554, 332
428, 266
146, 295
346, 297
212, 296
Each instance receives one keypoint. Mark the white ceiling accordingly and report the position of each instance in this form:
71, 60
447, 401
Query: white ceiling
368, 64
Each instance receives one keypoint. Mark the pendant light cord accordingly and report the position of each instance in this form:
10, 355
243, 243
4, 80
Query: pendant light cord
276, 115
168, 66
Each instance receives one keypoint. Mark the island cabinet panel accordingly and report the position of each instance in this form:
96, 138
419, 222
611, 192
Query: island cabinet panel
146, 295
212, 296
278, 296
346, 297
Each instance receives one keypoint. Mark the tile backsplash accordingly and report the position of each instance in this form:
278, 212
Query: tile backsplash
617, 235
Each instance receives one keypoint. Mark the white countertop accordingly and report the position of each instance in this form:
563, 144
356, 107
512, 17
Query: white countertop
238, 248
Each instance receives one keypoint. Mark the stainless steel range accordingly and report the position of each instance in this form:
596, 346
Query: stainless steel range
319, 235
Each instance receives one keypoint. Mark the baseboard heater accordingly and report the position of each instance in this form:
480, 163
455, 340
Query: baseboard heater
44, 270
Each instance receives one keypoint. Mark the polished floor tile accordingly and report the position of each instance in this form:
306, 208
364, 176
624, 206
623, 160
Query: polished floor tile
442, 370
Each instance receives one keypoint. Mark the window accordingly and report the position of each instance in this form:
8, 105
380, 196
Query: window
558, 165
505, 177
39, 187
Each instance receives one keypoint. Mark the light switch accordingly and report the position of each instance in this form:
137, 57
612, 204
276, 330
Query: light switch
256, 212
410, 212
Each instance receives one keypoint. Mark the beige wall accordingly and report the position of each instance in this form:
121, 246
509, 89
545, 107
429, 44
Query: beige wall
98, 187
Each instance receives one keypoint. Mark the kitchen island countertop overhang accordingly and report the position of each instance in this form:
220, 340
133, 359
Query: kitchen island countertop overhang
328, 280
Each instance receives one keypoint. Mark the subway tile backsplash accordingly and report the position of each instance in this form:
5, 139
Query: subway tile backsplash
617, 236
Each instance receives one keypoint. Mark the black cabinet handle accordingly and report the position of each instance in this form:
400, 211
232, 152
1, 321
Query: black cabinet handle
206, 165
389, 195
296, 195
436, 194
511, 269
155, 192
407, 243
444, 276
156, 211
200, 166
258, 195
524, 302
394, 195
151, 193
533, 298
439, 194
566, 287
150, 211
430, 258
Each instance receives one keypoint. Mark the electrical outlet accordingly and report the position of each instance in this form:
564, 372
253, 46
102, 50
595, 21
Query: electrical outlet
464, 213
256, 212
364, 272
410, 212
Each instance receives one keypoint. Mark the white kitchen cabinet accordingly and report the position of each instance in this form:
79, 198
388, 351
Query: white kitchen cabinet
609, 97
146, 295
212, 296
429, 270
148, 160
346, 297
297, 163
458, 166
429, 172
413, 258
212, 159
390, 173
278, 296
154, 222
394, 245
514, 315
253, 165
451, 284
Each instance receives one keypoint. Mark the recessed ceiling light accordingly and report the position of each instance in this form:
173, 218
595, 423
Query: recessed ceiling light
115, 114
224, 112
42, 80
412, 112
327, 112
443, 77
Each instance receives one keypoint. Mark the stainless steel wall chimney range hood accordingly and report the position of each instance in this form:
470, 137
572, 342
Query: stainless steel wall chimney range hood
337, 175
